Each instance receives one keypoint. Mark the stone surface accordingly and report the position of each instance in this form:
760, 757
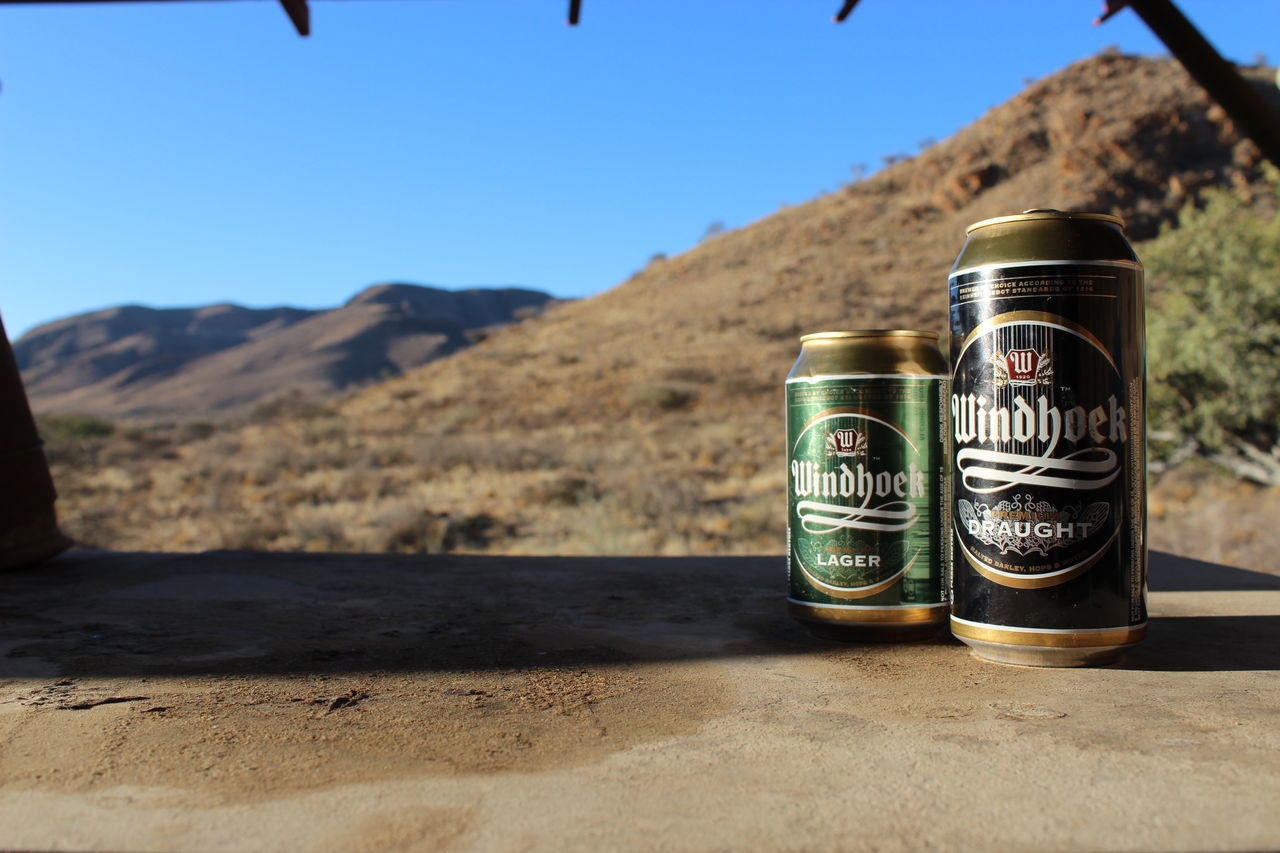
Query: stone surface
294, 701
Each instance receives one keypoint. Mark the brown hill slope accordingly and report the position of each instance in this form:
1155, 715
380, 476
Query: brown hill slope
1114, 133
648, 419
135, 360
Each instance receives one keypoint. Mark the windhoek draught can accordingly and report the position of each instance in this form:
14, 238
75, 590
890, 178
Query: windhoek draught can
1047, 426
866, 528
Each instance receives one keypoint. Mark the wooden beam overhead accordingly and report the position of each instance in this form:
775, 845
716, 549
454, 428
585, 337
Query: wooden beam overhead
845, 10
299, 14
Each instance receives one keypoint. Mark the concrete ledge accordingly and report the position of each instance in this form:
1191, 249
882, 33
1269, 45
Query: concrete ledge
332, 702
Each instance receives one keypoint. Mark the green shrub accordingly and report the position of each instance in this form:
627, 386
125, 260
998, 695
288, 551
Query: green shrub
1214, 327
665, 397
74, 427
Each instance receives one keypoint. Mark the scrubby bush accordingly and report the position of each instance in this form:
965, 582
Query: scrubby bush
665, 397
1214, 326
74, 427
73, 439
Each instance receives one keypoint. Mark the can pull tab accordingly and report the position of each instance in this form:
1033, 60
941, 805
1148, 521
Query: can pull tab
1043, 210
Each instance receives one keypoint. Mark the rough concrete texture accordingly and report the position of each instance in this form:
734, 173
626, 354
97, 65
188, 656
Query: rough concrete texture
233, 701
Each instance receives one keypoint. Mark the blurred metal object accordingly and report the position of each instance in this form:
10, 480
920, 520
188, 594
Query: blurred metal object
1110, 8
846, 8
28, 524
299, 15
297, 10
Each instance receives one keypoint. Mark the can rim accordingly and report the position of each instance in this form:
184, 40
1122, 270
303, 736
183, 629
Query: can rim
868, 333
1045, 213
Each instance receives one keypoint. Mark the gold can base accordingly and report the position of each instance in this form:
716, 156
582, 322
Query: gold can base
1041, 656
1047, 647
870, 624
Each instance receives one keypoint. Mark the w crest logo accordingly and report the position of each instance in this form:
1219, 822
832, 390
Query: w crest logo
1022, 367
846, 442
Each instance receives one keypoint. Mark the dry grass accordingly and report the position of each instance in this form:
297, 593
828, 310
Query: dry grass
662, 487
1203, 512
324, 483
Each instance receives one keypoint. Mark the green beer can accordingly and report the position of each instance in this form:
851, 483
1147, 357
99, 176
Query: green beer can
866, 523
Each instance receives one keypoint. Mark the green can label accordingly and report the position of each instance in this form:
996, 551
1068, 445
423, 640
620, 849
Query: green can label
867, 519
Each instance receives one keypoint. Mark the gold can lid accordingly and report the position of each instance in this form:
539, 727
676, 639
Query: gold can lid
869, 333
1045, 213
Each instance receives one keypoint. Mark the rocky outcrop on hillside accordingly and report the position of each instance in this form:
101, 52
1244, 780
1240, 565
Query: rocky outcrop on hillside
1127, 135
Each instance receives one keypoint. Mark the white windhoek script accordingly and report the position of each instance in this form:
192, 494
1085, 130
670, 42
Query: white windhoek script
811, 480
977, 421
986, 471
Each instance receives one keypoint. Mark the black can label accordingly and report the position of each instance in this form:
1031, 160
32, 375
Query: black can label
865, 465
1046, 415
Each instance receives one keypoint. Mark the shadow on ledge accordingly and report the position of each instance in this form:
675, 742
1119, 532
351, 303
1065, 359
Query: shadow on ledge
1171, 573
140, 614
1207, 644
1198, 639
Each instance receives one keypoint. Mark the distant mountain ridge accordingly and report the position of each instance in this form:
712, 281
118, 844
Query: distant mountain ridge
135, 360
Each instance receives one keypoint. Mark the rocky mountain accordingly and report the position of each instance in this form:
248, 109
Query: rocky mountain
136, 360
648, 419
1122, 134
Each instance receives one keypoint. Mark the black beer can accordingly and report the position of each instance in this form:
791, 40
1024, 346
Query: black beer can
1047, 430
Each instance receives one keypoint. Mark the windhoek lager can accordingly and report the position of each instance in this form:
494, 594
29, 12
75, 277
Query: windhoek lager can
866, 527
1047, 426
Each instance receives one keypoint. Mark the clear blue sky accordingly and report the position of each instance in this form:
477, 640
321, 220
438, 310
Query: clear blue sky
188, 153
